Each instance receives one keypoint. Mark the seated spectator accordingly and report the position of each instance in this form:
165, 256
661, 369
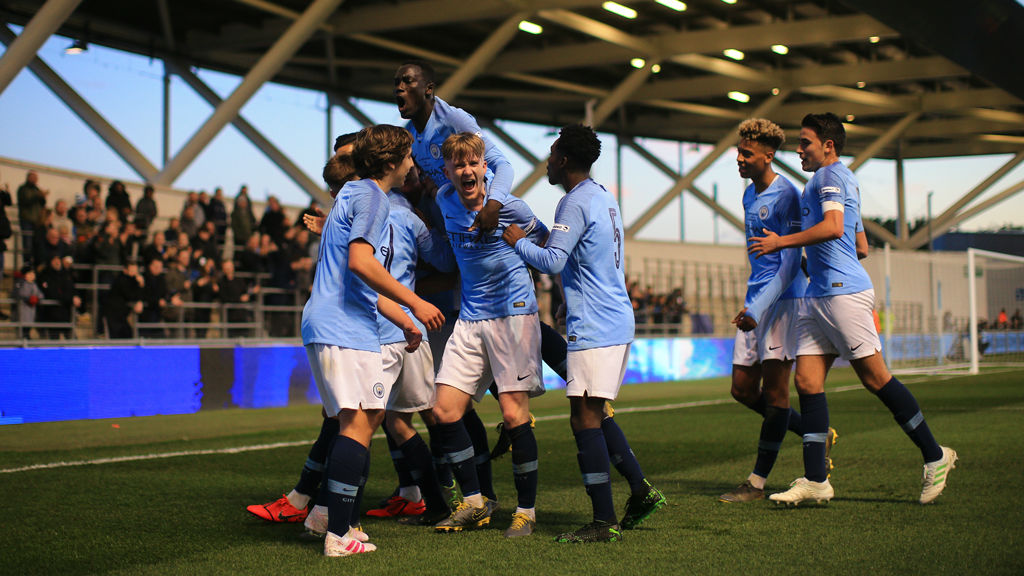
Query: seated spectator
173, 230
118, 199
178, 277
155, 250
1002, 322
204, 245
301, 262
155, 298
28, 295
60, 216
145, 208
233, 291
190, 221
313, 210
198, 212
1016, 323
82, 228
124, 298
58, 283
131, 241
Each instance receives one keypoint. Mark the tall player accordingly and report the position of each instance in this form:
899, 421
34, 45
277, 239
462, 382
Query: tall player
496, 338
765, 342
339, 324
837, 319
585, 246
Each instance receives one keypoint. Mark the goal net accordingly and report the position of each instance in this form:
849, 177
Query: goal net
996, 330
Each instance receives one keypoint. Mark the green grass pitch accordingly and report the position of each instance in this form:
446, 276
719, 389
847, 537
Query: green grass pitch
186, 514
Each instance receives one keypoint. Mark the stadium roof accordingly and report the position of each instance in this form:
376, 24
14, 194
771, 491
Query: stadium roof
912, 78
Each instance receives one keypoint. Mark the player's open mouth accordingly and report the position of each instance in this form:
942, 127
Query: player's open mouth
468, 184
400, 101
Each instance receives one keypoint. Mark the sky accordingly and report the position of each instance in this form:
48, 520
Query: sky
35, 126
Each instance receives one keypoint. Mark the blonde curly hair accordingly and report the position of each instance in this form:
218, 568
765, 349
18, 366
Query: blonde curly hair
763, 131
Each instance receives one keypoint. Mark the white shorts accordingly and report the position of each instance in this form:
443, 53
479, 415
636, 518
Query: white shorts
411, 376
839, 325
503, 350
348, 379
596, 371
773, 339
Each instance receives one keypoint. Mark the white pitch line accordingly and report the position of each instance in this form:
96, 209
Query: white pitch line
256, 447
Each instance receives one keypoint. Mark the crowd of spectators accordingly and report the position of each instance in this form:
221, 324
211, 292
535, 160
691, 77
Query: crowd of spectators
157, 276
650, 308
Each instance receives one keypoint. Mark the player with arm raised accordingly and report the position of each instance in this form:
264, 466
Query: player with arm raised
585, 247
837, 318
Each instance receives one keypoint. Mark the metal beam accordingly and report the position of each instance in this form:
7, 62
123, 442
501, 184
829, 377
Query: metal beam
902, 231
879, 231
792, 172
264, 70
699, 194
600, 30
22, 50
92, 118
603, 110
920, 238
982, 206
727, 141
512, 143
481, 57
882, 141
272, 153
354, 111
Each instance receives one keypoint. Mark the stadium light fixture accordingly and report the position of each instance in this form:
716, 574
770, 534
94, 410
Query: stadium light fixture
728, 1
734, 53
637, 63
77, 47
673, 4
780, 49
616, 8
861, 84
850, 117
530, 27
656, 68
740, 97
874, 39
775, 91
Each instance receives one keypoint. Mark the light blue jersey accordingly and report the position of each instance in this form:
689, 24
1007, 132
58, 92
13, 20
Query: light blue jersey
777, 208
833, 265
444, 121
405, 240
585, 245
342, 309
495, 281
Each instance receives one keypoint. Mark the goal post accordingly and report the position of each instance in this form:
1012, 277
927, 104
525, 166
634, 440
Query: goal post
996, 292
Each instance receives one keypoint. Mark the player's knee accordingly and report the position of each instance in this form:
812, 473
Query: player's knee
445, 414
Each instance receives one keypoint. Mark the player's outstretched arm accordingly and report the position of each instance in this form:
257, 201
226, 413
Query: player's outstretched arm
362, 263
830, 228
394, 313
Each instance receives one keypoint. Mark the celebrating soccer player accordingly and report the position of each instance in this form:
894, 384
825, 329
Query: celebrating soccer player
585, 246
765, 344
837, 319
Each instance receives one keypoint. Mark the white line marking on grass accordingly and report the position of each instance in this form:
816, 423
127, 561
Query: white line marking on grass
257, 447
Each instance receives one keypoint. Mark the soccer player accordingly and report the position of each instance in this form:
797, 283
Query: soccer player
585, 246
497, 337
339, 323
765, 337
837, 318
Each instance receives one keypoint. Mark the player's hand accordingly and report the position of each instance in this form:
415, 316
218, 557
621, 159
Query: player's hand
413, 338
429, 315
486, 219
314, 224
744, 322
513, 234
767, 244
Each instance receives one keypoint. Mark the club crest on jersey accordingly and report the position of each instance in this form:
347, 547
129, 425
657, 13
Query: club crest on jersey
378, 390
763, 213
435, 151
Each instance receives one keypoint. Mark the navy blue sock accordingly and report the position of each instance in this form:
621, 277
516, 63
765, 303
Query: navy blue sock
524, 464
773, 430
814, 408
398, 460
901, 402
354, 518
482, 457
458, 449
622, 457
344, 474
593, 459
441, 467
553, 349
421, 468
323, 495
316, 462
795, 421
